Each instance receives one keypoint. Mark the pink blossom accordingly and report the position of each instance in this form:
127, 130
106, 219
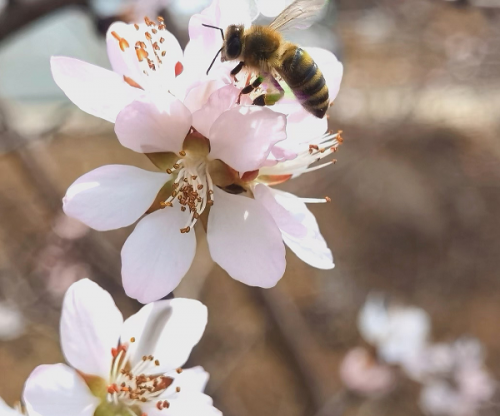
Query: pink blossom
212, 151
362, 374
122, 366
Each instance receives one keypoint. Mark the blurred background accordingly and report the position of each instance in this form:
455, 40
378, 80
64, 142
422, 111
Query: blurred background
414, 213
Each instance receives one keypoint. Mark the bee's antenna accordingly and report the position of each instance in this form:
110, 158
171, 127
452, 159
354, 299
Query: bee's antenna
213, 61
215, 27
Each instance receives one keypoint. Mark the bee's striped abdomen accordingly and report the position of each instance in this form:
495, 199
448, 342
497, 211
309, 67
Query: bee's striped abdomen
305, 79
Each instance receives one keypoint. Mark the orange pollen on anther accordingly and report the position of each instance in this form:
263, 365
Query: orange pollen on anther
141, 54
123, 44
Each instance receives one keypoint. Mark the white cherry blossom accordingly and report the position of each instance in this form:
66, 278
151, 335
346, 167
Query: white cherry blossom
117, 367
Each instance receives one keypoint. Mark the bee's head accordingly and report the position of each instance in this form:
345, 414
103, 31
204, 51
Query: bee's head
233, 43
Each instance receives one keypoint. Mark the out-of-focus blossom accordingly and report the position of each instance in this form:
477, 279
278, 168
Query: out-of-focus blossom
69, 228
12, 322
397, 332
455, 382
122, 367
363, 374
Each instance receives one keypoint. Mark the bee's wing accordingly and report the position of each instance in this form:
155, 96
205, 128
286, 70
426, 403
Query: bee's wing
300, 14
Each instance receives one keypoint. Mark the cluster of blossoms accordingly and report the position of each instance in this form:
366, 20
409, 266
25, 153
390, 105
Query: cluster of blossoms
453, 375
218, 157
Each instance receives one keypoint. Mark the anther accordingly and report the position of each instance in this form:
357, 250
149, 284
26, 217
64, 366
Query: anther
157, 362
148, 36
179, 370
123, 44
169, 171
328, 199
182, 153
132, 339
136, 26
178, 389
115, 35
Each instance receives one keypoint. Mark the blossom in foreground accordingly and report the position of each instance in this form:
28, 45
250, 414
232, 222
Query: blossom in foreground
217, 156
129, 367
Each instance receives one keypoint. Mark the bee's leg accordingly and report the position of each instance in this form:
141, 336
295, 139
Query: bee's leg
249, 88
237, 69
270, 98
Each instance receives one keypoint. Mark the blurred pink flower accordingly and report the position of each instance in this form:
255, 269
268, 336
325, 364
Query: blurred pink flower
122, 366
455, 382
361, 373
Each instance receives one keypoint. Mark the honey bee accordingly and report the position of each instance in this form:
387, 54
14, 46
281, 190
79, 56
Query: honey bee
263, 50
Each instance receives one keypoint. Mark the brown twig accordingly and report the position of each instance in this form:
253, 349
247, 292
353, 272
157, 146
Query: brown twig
18, 15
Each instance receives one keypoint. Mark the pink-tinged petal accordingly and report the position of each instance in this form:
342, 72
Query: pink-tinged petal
245, 241
168, 330
312, 248
219, 102
112, 196
157, 123
157, 255
95, 90
301, 126
204, 42
286, 221
190, 380
125, 61
331, 68
5, 410
199, 92
58, 390
189, 404
243, 137
90, 327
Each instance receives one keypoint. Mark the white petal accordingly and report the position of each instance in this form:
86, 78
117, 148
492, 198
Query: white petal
112, 196
157, 255
191, 379
245, 241
125, 62
243, 137
58, 390
301, 126
189, 404
157, 123
312, 247
90, 327
168, 330
199, 92
5, 410
95, 90
285, 220
221, 100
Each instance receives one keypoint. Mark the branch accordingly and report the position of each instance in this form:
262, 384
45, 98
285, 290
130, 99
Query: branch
17, 15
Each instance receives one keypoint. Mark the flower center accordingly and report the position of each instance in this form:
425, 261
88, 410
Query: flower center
149, 50
193, 186
129, 388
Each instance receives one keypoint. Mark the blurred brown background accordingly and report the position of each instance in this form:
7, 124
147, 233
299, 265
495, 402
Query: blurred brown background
414, 213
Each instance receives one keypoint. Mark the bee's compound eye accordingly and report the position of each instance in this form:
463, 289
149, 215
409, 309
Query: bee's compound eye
233, 48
